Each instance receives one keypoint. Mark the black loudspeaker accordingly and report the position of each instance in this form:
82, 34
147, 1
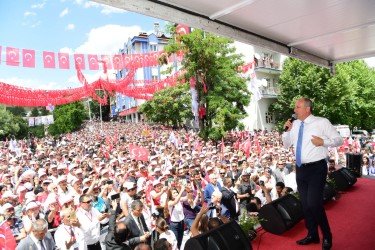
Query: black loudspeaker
281, 215
225, 237
343, 179
353, 163
328, 193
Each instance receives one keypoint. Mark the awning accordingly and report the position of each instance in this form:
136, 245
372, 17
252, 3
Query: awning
323, 32
128, 111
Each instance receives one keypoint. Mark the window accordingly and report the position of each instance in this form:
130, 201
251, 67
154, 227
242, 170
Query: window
153, 47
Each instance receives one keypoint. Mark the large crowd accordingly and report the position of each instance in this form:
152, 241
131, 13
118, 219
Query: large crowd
86, 190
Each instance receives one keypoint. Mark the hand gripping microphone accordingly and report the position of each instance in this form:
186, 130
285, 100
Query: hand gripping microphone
292, 119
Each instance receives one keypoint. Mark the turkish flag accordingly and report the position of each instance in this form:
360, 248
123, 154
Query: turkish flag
182, 29
28, 58
49, 59
138, 153
64, 60
79, 60
13, 56
117, 62
107, 61
7, 240
126, 60
93, 62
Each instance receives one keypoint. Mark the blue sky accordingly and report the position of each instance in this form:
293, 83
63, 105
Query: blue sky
74, 26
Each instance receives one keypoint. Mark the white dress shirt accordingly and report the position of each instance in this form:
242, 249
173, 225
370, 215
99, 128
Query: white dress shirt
37, 242
317, 126
90, 224
62, 235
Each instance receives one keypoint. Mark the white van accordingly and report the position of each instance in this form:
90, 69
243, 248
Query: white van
343, 130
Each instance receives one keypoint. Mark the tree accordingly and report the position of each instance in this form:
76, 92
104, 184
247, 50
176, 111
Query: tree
17, 111
343, 98
67, 118
170, 106
7, 124
212, 61
43, 111
34, 112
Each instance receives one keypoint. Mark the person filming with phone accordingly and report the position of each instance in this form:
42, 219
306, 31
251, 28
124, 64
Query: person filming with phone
311, 136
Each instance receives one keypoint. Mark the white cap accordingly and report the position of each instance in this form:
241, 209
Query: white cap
31, 205
129, 185
155, 182
7, 206
8, 194
65, 199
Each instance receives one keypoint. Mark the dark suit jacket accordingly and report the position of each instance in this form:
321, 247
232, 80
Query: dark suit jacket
110, 242
229, 201
134, 232
28, 244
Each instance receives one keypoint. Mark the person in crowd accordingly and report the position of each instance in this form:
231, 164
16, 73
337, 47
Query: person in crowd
175, 209
229, 199
136, 225
14, 223
118, 233
246, 189
163, 244
280, 171
39, 237
32, 213
211, 187
217, 209
68, 234
191, 205
90, 220
311, 136
163, 229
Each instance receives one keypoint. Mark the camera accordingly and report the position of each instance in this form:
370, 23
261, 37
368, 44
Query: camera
211, 206
261, 183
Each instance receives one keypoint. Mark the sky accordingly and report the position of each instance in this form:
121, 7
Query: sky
74, 26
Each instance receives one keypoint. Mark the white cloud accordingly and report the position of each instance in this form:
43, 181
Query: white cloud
106, 9
29, 13
38, 5
108, 39
70, 26
66, 50
370, 62
64, 12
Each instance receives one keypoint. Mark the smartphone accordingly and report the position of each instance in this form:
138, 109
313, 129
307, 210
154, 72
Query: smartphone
109, 182
115, 196
261, 183
166, 183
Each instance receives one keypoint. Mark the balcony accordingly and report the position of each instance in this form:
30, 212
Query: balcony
269, 92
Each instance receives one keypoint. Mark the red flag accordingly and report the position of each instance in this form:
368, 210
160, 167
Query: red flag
80, 60
64, 60
28, 58
93, 62
106, 61
117, 62
138, 153
7, 240
13, 56
49, 59
182, 29
247, 147
257, 144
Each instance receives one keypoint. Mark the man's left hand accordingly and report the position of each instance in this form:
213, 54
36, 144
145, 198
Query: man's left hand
317, 141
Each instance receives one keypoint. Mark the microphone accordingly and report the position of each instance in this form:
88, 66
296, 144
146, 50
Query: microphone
292, 119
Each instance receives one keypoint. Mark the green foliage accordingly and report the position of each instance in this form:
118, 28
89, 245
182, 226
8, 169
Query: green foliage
17, 111
35, 112
214, 63
248, 222
37, 131
170, 106
23, 127
67, 118
7, 124
344, 98
43, 111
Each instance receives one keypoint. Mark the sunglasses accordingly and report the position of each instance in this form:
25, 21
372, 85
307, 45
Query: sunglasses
89, 201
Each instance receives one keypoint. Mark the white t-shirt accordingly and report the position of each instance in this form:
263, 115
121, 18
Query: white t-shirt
171, 238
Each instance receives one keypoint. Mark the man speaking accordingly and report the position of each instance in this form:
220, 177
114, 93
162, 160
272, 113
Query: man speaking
311, 136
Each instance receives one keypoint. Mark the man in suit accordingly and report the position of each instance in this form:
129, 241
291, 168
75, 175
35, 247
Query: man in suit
117, 232
136, 225
229, 199
211, 187
216, 208
39, 238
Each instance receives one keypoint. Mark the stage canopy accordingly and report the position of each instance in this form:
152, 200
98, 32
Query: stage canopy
323, 32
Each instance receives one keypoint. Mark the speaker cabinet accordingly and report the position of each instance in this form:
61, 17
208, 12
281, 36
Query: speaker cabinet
280, 215
353, 163
328, 193
225, 237
343, 179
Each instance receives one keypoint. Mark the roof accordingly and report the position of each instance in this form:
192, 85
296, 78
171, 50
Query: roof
321, 32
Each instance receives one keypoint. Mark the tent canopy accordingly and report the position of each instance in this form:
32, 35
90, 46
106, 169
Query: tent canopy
323, 32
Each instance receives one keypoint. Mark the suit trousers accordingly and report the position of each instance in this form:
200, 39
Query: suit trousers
311, 179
